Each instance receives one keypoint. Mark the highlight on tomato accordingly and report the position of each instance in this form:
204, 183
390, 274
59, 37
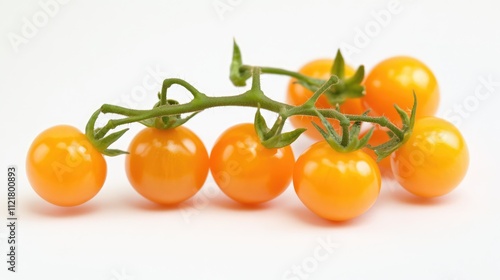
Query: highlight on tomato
433, 161
394, 80
337, 186
63, 167
297, 94
167, 166
245, 170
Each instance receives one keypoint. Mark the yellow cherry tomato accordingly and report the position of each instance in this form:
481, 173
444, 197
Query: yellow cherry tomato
63, 167
245, 170
336, 186
393, 81
433, 161
167, 166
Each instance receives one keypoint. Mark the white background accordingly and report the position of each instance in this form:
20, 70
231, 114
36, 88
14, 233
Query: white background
94, 52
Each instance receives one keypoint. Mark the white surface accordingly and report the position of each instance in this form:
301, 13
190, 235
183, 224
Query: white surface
94, 52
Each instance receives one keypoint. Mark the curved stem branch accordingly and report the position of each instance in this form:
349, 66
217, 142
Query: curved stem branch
167, 83
283, 72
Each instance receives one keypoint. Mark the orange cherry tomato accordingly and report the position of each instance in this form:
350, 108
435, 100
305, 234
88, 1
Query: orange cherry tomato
63, 167
298, 95
378, 137
245, 170
393, 81
167, 166
433, 161
336, 186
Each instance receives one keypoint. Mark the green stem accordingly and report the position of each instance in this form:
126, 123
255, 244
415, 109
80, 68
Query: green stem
109, 108
252, 98
283, 72
169, 82
382, 121
345, 134
196, 105
206, 102
331, 81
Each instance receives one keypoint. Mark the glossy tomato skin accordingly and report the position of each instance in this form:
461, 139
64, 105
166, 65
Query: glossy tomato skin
167, 166
245, 170
336, 186
64, 168
393, 81
378, 137
298, 95
433, 161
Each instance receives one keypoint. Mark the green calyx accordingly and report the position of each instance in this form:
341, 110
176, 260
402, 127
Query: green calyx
346, 142
167, 122
273, 137
395, 141
237, 74
270, 138
345, 88
98, 139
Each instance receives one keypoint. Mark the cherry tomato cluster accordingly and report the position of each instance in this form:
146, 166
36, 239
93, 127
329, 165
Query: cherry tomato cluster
169, 166
431, 163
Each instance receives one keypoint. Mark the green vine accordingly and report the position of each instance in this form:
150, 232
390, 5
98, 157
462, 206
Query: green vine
167, 113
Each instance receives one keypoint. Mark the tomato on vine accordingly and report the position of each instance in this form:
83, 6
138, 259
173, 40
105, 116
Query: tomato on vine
245, 170
63, 167
297, 94
433, 161
335, 185
394, 80
167, 166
